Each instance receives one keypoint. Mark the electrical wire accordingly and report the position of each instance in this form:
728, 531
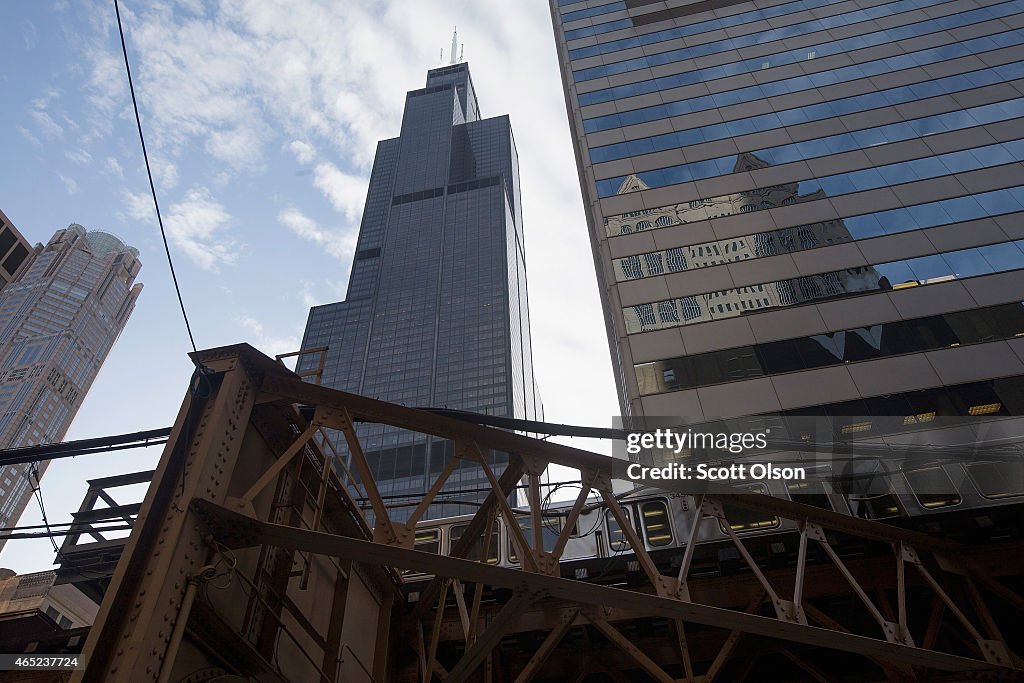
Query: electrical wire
37, 491
149, 172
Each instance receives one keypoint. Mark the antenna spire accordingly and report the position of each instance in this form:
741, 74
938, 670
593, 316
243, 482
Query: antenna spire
455, 37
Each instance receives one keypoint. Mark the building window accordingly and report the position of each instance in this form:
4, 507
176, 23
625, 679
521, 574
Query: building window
631, 268
668, 312
645, 314
691, 310
807, 239
675, 259
809, 288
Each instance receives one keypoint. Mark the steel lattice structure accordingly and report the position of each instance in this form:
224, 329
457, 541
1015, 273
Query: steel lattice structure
252, 557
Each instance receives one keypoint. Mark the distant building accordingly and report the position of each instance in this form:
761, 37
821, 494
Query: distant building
14, 250
38, 617
29, 596
436, 313
58, 321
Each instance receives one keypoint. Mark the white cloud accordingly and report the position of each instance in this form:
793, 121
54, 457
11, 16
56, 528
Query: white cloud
306, 295
29, 35
193, 6
239, 147
267, 342
114, 166
79, 156
49, 128
69, 183
140, 206
345, 192
27, 134
196, 225
303, 151
165, 173
337, 243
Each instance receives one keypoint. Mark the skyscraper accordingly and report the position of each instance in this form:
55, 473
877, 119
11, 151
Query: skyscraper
436, 313
809, 206
58, 321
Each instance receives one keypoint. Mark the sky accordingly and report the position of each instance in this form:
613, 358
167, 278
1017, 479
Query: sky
261, 118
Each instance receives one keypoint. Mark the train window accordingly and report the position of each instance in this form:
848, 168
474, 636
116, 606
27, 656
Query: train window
998, 479
867, 483
616, 536
551, 527
474, 552
747, 520
812, 491
656, 525
427, 540
932, 487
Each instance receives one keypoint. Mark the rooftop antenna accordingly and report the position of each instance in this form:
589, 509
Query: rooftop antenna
440, 57
462, 51
455, 37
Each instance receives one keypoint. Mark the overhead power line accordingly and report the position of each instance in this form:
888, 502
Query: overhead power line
70, 449
149, 172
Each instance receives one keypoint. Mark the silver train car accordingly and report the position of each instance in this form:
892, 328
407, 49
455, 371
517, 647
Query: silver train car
956, 500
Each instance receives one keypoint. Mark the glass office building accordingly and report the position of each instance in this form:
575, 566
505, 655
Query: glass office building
436, 312
58, 321
804, 206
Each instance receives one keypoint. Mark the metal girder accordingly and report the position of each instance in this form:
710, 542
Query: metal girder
636, 654
283, 386
237, 530
495, 630
250, 397
483, 518
548, 646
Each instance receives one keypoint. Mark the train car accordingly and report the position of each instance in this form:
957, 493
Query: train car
953, 499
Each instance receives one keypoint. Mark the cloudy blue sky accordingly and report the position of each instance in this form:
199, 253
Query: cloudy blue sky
261, 118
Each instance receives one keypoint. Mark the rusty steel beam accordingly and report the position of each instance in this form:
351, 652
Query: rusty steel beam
491, 636
236, 530
649, 666
483, 518
336, 403
548, 646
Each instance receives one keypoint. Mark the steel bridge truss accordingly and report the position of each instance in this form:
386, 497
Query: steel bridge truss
249, 494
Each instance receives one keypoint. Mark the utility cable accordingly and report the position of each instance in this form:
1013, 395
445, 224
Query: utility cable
149, 172
37, 491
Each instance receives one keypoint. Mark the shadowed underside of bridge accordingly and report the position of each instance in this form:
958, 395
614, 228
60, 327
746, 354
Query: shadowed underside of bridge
253, 558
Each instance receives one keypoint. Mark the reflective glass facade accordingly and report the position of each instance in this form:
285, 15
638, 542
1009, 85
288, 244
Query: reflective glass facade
436, 313
58, 321
801, 205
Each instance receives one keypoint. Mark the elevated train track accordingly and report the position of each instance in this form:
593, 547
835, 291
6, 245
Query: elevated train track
251, 557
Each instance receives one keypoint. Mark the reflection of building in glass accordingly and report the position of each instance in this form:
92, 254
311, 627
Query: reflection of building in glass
755, 198
736, 300
58, 321
436, 312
